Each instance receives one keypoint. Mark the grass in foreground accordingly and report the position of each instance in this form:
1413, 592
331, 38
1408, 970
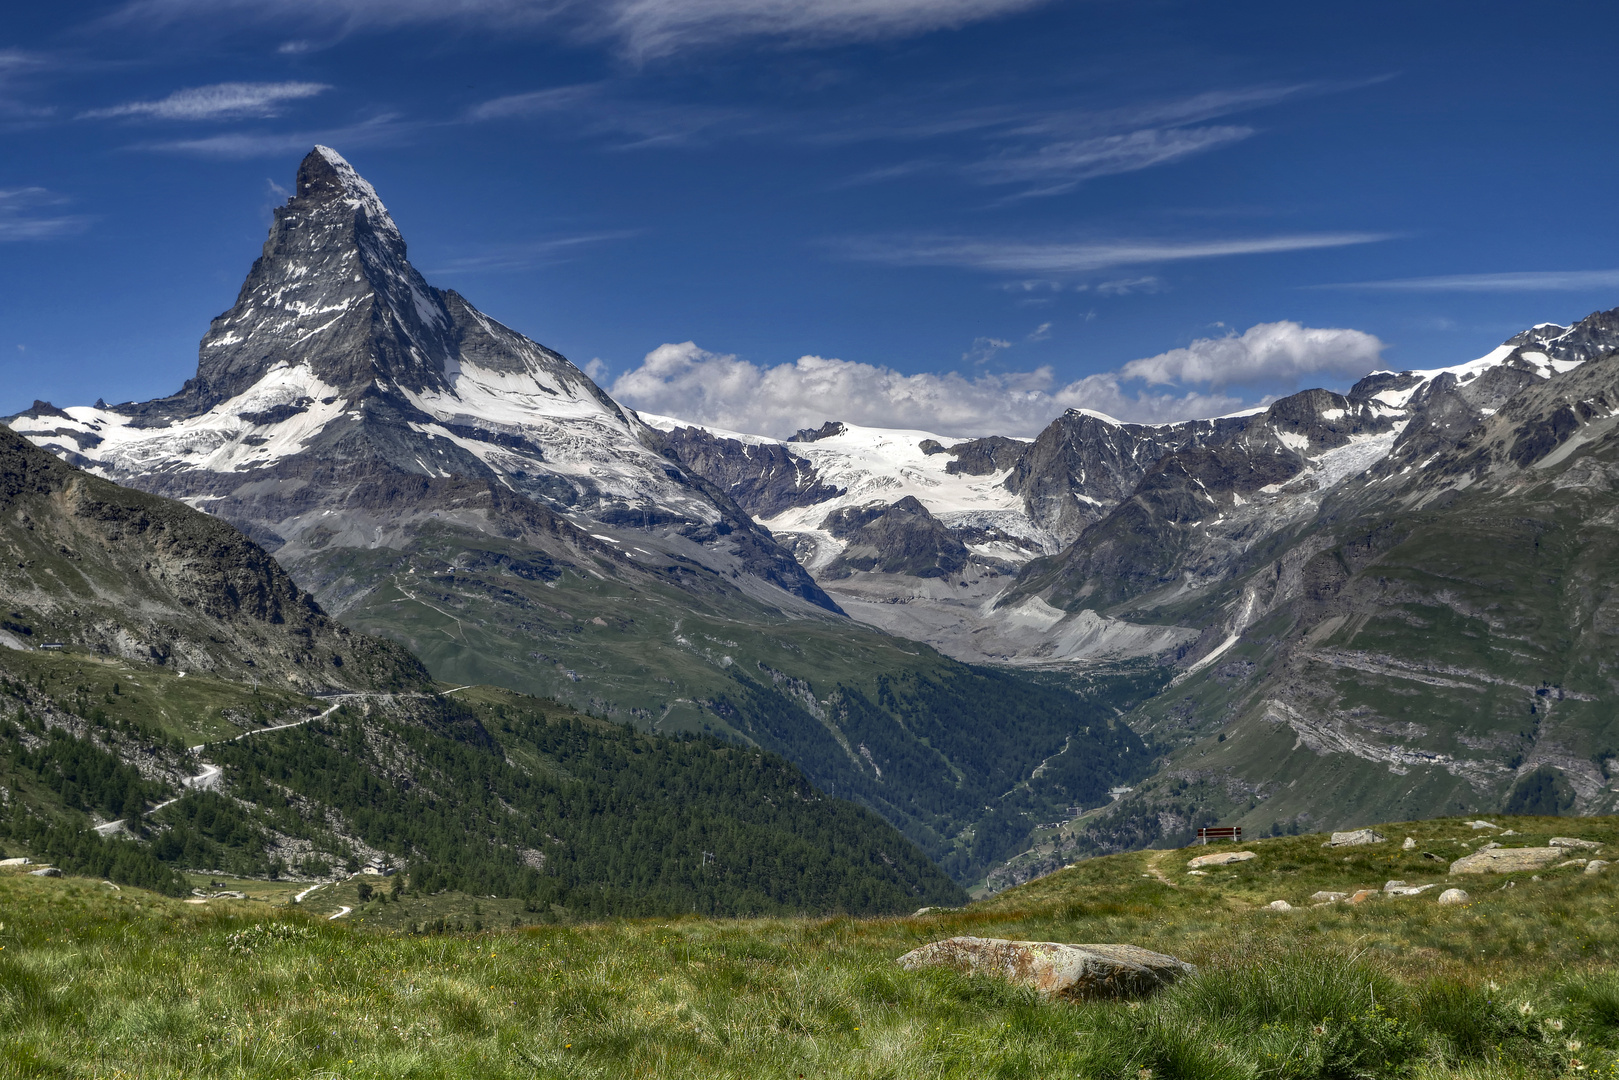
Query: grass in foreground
1522, 982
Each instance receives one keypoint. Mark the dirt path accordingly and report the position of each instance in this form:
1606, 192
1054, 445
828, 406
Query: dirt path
1153, 868
295, 723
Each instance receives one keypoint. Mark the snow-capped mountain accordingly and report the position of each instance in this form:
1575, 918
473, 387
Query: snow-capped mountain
343, 401
1021, 551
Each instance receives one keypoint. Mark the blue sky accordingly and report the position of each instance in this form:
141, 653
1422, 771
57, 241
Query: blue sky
965, 214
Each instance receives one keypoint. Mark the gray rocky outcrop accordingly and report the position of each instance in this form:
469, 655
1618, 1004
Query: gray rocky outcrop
1355, 838
1220, 858
902, 538
1507, 860
1056, 969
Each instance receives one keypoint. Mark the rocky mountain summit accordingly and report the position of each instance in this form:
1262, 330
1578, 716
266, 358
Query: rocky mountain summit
343, 400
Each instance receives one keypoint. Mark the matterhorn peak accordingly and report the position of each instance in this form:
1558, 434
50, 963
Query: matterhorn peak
326, 176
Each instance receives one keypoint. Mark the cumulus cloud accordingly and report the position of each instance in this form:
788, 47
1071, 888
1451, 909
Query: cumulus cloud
725, 391
1278, 352
221, 101
642, 28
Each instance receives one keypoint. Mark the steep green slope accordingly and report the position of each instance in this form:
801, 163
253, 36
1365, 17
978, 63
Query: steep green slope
483, 791
942, 750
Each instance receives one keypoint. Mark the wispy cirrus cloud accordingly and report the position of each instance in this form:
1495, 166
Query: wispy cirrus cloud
594, 109
221, 101
1526, 281
1040, 152
1078, 257
503, 258
642, 29
379, 130
32, 213
16, 65
1058, 167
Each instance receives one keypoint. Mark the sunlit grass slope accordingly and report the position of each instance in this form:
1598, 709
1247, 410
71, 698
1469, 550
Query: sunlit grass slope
1520, 982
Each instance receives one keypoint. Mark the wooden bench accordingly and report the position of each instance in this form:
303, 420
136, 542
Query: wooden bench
1220, 832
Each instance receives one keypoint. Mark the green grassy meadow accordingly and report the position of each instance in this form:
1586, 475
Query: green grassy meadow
1522, 981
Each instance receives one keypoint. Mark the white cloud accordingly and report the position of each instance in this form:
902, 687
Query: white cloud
29, 214
242, 145
726, 391
642, 28
221, 101
1020, 257
1040, 333
1527, 281
983, 350
591, 109
507, 257
1278, 352
659, 27
1126, 286
1061, 166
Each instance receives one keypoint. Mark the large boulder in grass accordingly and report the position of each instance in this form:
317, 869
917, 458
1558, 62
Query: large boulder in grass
1220, 858
1507, 860
1355, 838
1081, 972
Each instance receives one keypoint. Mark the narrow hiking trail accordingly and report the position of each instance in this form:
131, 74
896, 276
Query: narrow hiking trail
208, 778
1153, 864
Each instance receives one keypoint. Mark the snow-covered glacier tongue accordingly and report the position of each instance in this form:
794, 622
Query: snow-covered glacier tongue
343, 401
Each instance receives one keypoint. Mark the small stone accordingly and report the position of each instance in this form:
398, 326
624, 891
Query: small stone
1279, 905
1221, 858
1054, 968
1506, 860
1595, 866
1362, 895
1571, 842
921, 911
1491, 846
1431, 855
1454, 896
1197, 873
15, 862
49, 871
1355, 838
1480, 825
1400, 888
1325, 897
1409, 845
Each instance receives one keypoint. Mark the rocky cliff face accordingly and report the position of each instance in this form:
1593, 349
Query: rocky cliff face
95, 566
